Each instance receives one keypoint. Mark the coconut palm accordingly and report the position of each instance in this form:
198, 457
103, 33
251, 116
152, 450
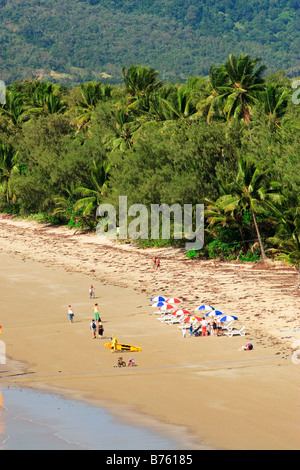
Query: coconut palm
91, 94
92, 192
225, 212
275, 101
251, 191
14, 108
246, 81
218, 90
287, 236
8, 166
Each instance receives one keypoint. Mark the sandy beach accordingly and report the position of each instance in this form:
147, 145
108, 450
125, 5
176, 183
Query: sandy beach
214, 395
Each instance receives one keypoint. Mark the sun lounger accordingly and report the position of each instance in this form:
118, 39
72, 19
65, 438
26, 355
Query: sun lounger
228, 326
240, 332
165, 318
175, 319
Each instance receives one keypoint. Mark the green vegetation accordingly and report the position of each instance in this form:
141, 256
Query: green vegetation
229, 140
75, 41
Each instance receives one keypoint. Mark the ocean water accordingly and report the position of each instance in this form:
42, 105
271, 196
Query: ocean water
30, 420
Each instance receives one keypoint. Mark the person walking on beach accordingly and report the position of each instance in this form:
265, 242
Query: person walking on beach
157, 264
96, 313
100, 330
92, 292
154, 263
70, 313
93, 328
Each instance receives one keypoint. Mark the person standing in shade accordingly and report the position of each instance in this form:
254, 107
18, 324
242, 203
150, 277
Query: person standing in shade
70, 313
93, 328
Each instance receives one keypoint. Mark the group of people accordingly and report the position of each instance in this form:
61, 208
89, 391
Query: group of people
212, 328
155, 263
96, 323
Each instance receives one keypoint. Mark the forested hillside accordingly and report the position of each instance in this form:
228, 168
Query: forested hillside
229, 141
73, 41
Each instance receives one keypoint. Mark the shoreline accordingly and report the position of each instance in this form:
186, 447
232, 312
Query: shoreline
125, 267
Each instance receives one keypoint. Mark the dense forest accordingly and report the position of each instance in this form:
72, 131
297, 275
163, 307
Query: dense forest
229, 140
75, 41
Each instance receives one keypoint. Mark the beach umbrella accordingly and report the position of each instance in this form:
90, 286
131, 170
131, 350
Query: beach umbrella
214, 313
166, 307
192, 319
228, 318
205, 307
174, 301
158, 304
182, 311
159, 298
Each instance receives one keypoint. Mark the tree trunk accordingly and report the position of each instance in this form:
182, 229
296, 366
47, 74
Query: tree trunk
263, 255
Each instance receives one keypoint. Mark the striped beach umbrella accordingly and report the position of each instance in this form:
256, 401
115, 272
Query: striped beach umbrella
205, 307
174, 301
158, 298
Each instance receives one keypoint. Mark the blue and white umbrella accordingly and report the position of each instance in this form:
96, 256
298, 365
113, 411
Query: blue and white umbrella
205, 307
228, 318
159, 298
158, 304
214, 313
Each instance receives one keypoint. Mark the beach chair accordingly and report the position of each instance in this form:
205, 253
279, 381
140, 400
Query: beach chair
174, 319
165, 318
240, 332
228, 326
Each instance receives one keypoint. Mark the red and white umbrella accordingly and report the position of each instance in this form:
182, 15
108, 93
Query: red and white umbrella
166, 307
192, 319
182, 311
174, 301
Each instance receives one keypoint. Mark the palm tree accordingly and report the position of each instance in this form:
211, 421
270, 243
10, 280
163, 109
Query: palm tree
252, 192
218, 89
275, 102
287, 236
180, 103
246, 82
93, 192
91, 94
14, 108
140, 80
124, 127
8, 166
225, 212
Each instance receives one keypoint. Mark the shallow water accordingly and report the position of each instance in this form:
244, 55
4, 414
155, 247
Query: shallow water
30, 420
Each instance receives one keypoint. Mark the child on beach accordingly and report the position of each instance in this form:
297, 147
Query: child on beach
70, 313
93, 327
92, 292
153, 263
157, 264
247, 347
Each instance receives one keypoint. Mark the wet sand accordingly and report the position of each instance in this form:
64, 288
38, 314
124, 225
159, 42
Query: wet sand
213, 394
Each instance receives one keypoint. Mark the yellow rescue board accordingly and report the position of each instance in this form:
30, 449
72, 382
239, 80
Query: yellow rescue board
123, 347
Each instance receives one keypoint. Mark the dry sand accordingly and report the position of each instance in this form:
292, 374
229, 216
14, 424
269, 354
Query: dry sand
214, 394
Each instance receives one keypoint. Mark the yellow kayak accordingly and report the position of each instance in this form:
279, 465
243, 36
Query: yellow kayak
123, 347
